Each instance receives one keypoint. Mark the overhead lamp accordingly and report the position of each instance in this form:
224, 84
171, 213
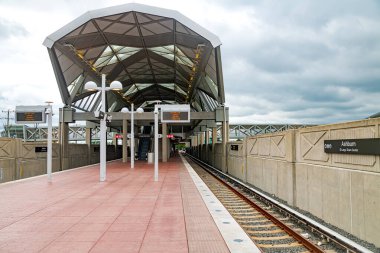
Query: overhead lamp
91, 86
116, 85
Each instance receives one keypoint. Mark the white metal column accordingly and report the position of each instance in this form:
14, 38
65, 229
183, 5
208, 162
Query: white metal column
132, 137
49, 112
156, 144
103, 137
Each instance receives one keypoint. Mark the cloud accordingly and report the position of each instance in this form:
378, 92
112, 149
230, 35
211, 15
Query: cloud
9, 29
302, 60
283, 61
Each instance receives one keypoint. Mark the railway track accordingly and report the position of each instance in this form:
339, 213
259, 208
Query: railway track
272, 229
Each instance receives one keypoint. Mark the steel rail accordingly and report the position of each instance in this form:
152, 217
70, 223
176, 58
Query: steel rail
303, 241
330, 234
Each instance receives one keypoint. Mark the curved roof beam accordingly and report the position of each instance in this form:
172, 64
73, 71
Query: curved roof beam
52, 38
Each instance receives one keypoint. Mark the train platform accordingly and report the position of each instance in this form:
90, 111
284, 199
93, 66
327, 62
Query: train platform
127, 213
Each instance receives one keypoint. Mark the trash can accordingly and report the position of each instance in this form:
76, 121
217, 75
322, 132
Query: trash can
150, 157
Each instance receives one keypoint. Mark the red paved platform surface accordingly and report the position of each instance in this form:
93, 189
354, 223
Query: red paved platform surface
128, 213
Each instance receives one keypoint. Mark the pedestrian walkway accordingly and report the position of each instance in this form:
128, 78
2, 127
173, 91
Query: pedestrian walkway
127, 213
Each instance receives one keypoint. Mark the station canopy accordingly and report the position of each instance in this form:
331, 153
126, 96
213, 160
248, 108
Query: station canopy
157, 54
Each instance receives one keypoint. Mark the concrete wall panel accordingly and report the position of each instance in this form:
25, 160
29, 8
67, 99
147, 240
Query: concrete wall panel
302, 187
8, 148
7, 169
371, 207
218, 156
285, 181
255, 171
336, 197
236, 160
357, 205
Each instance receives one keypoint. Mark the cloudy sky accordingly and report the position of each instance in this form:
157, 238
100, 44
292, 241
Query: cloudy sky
289, 61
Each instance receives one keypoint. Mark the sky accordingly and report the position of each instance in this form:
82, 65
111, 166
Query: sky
289, 61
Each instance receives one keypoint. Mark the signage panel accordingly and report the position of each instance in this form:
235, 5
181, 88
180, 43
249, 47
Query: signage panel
353, 146
175, 113
40, 149
235, 147
30, 114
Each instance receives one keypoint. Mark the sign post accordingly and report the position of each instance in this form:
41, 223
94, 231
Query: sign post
49, 112
155, 143
34, 115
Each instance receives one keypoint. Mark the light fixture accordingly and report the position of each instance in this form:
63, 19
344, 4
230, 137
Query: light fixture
91, 86
116, 85
124, 110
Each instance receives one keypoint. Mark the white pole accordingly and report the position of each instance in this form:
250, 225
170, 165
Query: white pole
132, 137
49, 147
125, 153
156, 144
103, 144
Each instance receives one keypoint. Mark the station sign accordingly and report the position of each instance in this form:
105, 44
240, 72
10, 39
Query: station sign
235, 147
40, 149
353, 146
30, 114
175, 113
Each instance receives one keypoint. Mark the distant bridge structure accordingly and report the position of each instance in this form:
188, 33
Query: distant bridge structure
78, 133
240, 131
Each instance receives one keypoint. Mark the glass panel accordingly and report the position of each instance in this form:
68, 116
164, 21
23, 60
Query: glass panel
131, 50
108, 57
167, 85
179, 90
113, 60
141, 86
212, 85
170, 52
102, 61
133, 89
77, 81
107, 51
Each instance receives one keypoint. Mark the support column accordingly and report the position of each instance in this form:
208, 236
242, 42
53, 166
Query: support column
88, 142
164, 143
202, 141
214, 136
125, 133
207, 140
198, 142
214, 140
64, 145
225, 138
201, 146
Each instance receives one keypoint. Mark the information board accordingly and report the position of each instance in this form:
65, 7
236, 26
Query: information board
353, 146
235, 147
40, 149
175, 113
30, 114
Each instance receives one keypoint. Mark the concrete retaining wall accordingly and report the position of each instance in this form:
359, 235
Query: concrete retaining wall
270, 164
342, 189
218, 156
19, 160
236, 162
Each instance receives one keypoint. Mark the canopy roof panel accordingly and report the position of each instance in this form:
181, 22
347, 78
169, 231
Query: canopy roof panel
157, 54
